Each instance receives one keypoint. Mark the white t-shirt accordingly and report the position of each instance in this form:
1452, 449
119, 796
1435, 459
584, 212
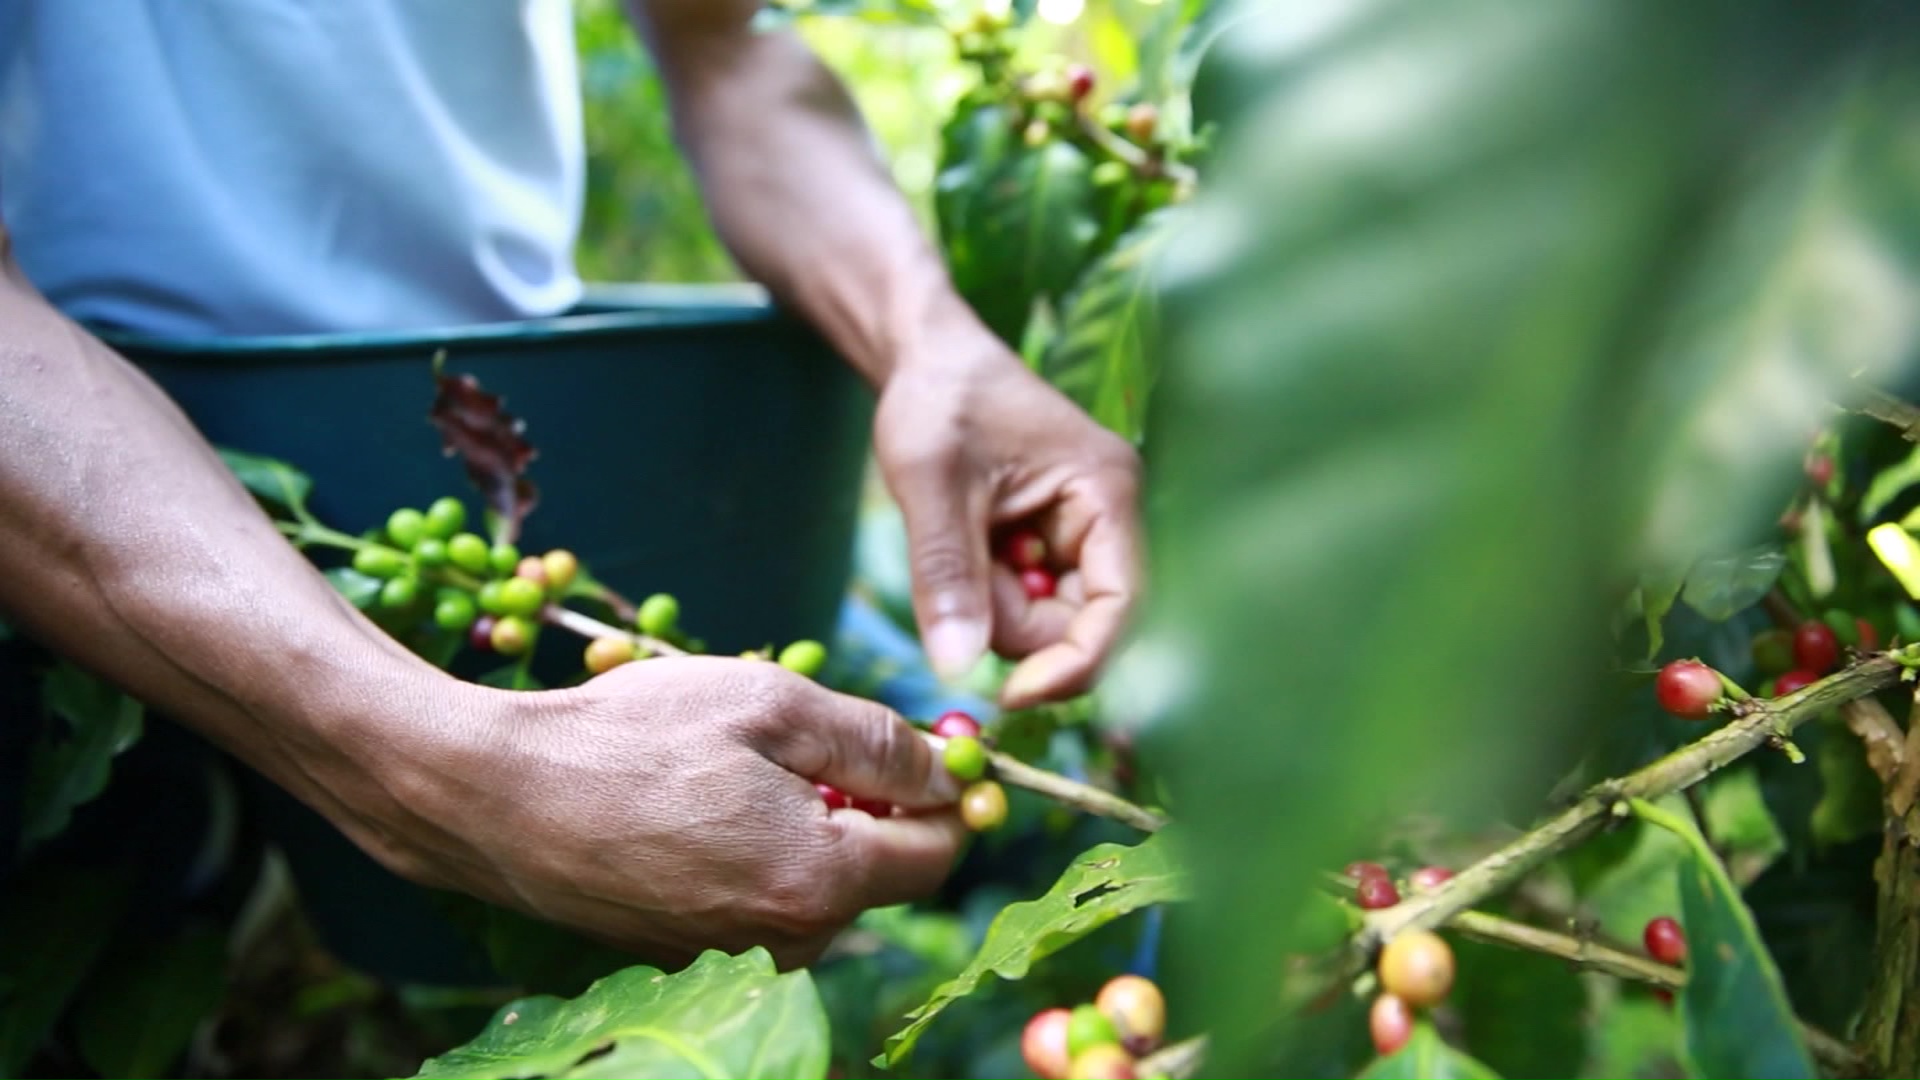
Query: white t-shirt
196, 167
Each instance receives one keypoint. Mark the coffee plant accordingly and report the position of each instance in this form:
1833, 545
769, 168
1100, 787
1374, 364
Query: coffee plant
1528, 681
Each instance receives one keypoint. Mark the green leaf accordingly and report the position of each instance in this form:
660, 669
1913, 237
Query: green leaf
271, 479
1734, 1013
361, 590
1099, 358
1889, 484
65, 773
723, 1017
140, 1008
1104, 883
1658, 590
1817, 920
1722, 586
1018, 222
55, 922
1427, 1057
1523, 1013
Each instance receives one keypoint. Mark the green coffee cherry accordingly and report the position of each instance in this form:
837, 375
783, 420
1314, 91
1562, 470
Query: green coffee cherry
513, 635
469, 553
503, 559
658, 615
381, 562
805, 657
518, 596
445, 517
430, 552
1109, 173
965, 757
406, 526
489, 598
454, 610
1087, 1028
399, 592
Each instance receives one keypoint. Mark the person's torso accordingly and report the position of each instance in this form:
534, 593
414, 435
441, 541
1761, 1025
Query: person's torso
291, 166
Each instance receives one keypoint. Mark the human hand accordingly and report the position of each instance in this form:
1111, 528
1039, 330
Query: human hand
668, 807
972, 440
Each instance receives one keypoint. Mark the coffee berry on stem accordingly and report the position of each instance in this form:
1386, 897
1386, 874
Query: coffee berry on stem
1688, 689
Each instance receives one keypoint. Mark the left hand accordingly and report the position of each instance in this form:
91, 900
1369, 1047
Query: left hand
970, 440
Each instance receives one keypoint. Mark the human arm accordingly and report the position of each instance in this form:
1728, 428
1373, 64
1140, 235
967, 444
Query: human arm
968, 439
666, 806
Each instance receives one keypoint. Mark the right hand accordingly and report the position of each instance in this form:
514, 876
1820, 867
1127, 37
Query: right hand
668, 807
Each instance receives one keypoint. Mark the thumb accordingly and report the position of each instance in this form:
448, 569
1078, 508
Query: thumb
863, 748
947, 553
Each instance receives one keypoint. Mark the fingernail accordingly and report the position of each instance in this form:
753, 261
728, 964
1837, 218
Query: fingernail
954, 645
942, 786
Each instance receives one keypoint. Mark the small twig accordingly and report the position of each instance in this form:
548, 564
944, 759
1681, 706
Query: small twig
1177, 1061
1888, 409
623, 609
1780, 609
589, 627
1093, 800
1835, 1056
1495, 930
1134, 157
1764, 723
1905, 788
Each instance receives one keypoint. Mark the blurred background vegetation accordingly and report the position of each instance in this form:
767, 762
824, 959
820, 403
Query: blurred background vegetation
644, 220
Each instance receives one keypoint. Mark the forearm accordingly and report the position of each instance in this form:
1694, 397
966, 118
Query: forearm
126, 545
801, 197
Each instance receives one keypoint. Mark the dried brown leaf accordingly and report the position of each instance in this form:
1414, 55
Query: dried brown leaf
491, 443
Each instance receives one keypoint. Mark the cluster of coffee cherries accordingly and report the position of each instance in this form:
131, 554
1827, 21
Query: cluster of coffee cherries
1100, 1041
1793, 660
1415, 968
495, 595
983, 802
488, 591
1374, 887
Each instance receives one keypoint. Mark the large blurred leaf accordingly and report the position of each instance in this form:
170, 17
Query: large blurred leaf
1427, 1057
139, 1011
726, 1016
1099, 358
54, 922
1103, 884
70, 770
1733, 1009
1485, 306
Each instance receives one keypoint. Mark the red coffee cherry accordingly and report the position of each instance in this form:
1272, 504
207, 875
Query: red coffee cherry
1688, 689
1815, 648
1665, 941
1390, 1021
1374, 893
